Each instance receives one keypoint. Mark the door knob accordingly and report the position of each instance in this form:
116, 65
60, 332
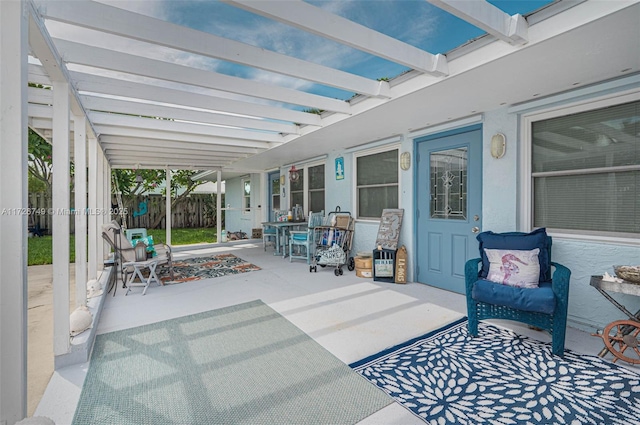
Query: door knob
475, 229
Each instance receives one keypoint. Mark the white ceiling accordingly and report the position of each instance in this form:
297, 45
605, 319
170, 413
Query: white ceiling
213, 121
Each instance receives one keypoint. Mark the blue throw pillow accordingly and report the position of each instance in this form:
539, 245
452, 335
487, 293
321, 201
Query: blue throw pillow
518, 241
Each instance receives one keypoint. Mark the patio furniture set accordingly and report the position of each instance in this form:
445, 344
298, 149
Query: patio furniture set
324, 241
131, 260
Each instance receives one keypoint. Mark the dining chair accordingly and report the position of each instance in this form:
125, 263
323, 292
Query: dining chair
302, 240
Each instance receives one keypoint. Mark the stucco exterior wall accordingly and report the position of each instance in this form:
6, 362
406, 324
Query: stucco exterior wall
501, 204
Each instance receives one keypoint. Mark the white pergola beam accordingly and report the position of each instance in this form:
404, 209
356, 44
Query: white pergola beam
182, 137
174, 165
83, 54
142, 152
152, 110
333, 27
38, 75
176, 145
212, 158
101, 119
149, 92
43, 48
511, 29
132, 25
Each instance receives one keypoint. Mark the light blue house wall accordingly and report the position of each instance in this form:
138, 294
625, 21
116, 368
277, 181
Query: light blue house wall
501, 200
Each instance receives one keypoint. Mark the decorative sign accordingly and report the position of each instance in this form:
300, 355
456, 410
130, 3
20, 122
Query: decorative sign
143, 208
401, 265
340, 168
389, 230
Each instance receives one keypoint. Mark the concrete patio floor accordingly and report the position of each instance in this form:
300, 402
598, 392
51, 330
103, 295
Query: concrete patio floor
351, 317
40, 330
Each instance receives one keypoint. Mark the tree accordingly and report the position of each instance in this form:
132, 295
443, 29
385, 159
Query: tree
39, 155
139, 182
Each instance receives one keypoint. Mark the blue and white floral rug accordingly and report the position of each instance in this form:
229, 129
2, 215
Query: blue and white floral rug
501, 377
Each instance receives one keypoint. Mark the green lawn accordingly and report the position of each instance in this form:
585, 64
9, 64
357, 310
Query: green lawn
40, 248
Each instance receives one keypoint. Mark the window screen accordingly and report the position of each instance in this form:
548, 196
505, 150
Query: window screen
586, 171
377, 183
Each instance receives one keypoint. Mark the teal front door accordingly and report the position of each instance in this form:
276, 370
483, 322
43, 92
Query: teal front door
449, 206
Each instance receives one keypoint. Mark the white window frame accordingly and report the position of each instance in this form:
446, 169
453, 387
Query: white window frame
306, 185
526, 186
245, 209
354, 166
303, 168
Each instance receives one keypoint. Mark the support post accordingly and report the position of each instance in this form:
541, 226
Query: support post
101, 247
95, 236
219, 205
168, 204
80, 206
13, 224
60, 219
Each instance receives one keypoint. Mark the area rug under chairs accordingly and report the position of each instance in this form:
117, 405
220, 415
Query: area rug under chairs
244, 364
197, 268
501, 377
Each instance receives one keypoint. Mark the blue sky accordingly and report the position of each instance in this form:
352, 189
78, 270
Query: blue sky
413, 21
416, 22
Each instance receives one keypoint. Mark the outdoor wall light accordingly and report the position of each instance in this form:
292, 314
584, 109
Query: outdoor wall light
498, 145
405, 160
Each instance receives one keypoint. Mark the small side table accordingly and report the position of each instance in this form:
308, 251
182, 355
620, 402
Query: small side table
138, 267
622, 337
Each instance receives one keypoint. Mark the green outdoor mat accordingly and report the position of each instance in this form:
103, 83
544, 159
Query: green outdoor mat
244, 364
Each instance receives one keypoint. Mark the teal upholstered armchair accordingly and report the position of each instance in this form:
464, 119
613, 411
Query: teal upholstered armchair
513, 280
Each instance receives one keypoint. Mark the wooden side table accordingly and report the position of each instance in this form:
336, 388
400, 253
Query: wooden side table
138, 267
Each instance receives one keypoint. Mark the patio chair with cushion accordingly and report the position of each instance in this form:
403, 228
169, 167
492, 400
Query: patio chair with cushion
125, 252
514, 282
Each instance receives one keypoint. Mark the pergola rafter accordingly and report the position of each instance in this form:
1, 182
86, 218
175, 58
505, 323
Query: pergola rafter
325, 24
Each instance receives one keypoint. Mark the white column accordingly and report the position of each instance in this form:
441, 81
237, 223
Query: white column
60, 219
219, 205
168, 199
101, 246
106, 201
13, 225
80, 205
95, 236
264, 198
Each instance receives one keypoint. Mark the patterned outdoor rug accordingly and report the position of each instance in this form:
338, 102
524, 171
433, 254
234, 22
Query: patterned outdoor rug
204, 268
244, 364
501, 377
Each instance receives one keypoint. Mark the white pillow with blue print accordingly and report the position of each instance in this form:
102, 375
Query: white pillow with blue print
514, 267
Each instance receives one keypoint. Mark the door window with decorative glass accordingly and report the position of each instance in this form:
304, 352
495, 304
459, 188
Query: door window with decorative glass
376, 183
448, 181
586, 171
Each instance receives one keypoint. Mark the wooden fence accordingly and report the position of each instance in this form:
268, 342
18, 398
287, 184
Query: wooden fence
197, 210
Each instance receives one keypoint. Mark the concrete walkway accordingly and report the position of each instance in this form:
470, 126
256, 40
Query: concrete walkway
40, 330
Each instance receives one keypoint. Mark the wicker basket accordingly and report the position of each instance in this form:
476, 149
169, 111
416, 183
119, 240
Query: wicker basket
628, 273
